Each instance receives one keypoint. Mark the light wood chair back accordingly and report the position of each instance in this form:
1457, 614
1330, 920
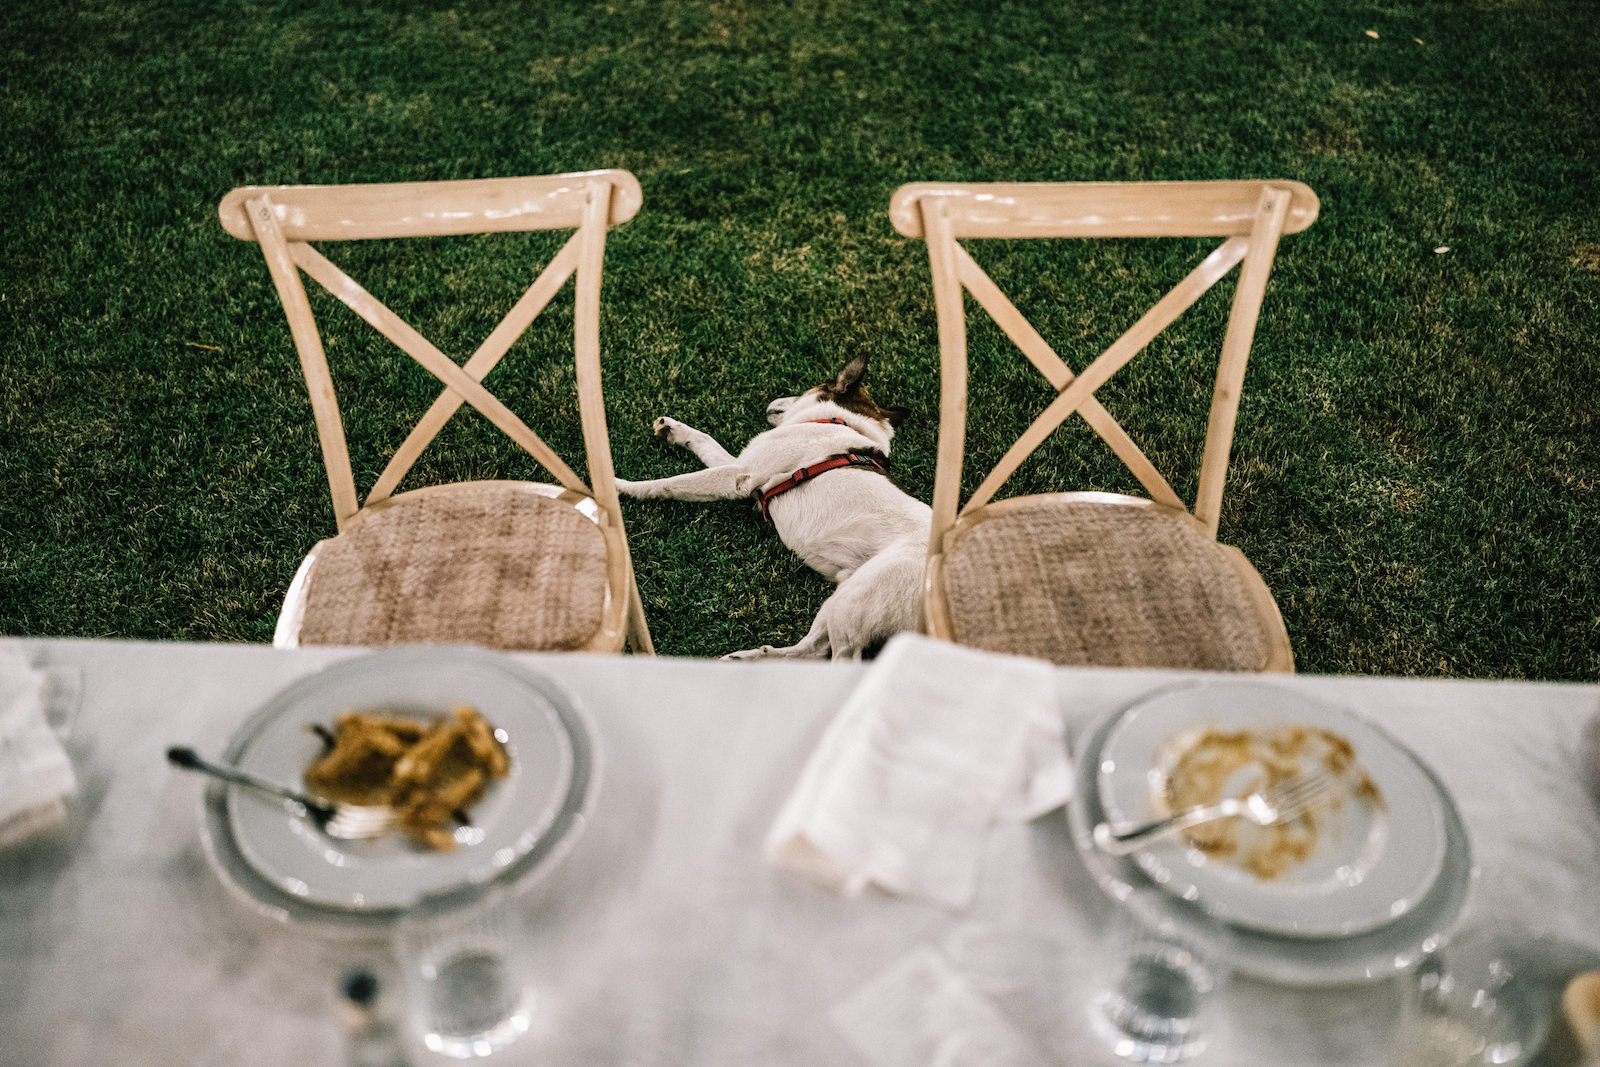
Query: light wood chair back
1249, 216
284, 220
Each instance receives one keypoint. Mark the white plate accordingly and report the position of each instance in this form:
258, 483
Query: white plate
263, 850
1387, 950
1372, 858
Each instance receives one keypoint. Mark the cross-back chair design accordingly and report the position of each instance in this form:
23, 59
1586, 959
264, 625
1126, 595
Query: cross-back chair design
1091, 577
507, 564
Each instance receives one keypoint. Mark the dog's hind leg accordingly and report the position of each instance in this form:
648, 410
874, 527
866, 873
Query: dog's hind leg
837, 632
814, 645
701, 444
877, 601
822, 641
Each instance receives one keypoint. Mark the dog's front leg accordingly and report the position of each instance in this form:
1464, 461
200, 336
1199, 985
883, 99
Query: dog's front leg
726, 482
701, 444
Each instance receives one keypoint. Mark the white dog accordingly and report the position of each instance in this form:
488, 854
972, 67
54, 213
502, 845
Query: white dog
819, 474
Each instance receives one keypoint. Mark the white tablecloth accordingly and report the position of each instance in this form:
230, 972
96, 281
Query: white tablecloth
665, 939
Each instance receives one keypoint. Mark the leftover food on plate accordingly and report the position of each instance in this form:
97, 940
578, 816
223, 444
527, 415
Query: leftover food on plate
1204, 766
431, 773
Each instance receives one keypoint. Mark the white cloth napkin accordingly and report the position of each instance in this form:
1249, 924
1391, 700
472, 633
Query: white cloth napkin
36, 775
934, 745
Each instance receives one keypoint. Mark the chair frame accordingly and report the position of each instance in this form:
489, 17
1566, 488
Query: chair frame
283, 220
1250, 215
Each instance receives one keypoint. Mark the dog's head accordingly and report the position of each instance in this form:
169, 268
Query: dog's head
846, 391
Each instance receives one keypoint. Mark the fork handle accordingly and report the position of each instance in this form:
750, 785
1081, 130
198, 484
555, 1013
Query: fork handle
1121, 840
190, 760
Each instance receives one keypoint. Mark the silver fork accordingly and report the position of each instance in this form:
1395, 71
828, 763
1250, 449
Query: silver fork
1289, 799
348, 822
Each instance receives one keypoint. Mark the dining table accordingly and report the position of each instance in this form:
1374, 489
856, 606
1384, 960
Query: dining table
664, 936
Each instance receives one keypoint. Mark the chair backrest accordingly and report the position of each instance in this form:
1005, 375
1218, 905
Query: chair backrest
285, 219
1250, 215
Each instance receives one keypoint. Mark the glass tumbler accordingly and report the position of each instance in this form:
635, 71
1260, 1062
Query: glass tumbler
1464, 1007
464, 957
1162, 977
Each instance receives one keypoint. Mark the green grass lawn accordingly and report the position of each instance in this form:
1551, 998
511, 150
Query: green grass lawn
1417, 467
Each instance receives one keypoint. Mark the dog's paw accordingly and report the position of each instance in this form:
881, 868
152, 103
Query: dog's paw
751, 653
671, 430
625, 487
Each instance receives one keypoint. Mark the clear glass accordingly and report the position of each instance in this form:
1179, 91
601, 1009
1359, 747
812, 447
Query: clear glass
1465, 1007
1163, 973
465, 966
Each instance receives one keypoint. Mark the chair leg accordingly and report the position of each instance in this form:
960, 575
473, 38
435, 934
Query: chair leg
638, 628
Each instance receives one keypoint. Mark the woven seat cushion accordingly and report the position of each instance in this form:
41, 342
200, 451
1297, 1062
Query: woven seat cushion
485, 563
1090, 583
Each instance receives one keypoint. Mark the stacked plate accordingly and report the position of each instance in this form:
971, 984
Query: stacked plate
270, 856
1358, 890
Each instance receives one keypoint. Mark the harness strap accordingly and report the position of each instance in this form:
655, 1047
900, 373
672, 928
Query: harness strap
871, 460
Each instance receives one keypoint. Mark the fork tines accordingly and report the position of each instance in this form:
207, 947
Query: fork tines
1299, 794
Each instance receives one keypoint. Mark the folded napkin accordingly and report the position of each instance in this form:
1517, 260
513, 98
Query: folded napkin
36, 775
934, 745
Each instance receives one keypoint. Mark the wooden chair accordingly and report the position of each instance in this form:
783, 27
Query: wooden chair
1090, 577
506, 564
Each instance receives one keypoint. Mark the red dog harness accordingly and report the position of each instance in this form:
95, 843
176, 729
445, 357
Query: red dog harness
871, 460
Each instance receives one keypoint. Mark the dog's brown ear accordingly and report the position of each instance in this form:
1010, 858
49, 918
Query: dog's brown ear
850, 375
897, 415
